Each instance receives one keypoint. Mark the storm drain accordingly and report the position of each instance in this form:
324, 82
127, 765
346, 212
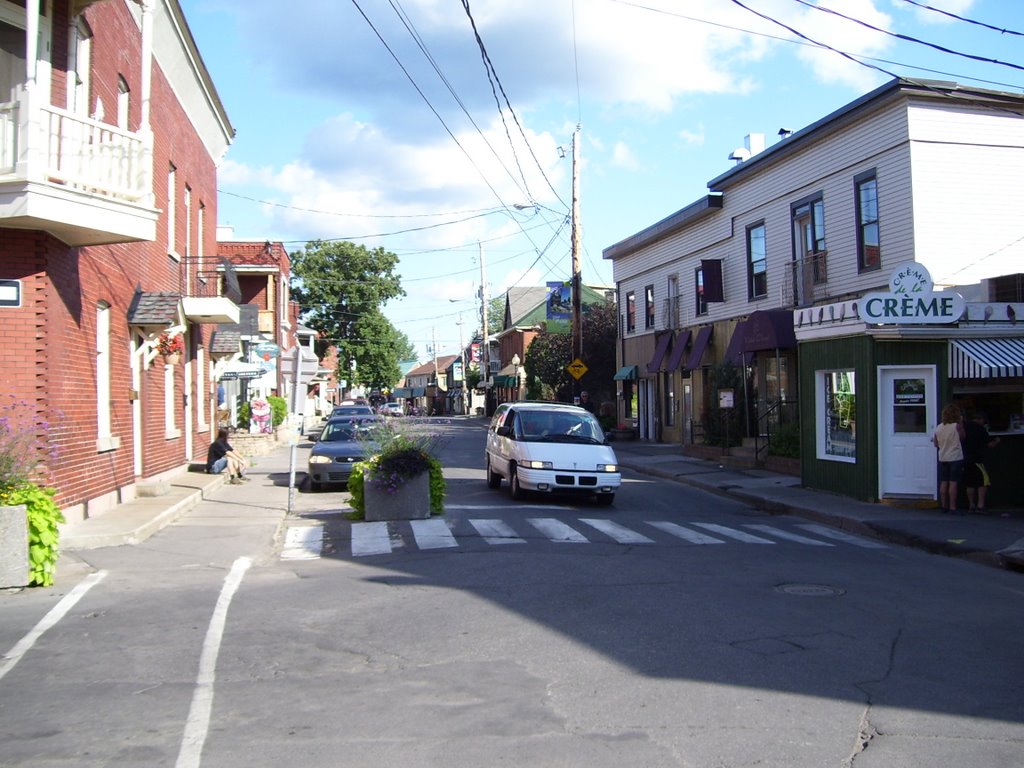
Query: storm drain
810, 590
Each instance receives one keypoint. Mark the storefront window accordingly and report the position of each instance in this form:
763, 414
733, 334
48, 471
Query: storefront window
836, 407
909, 409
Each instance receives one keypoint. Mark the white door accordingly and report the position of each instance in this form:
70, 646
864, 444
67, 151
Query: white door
906, 415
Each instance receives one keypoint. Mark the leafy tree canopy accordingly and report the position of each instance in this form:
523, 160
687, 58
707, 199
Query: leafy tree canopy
341, 288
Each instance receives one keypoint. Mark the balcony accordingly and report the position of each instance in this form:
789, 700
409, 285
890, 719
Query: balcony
83, 181
209, 290
808, 281
670, 315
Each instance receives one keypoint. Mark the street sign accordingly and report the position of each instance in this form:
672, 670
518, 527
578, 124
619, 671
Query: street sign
577, 368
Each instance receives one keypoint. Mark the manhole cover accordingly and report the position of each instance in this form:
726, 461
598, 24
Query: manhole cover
809, 590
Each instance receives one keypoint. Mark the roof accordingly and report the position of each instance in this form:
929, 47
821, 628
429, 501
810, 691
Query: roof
254, 253
226, 341
154, 308
428, 367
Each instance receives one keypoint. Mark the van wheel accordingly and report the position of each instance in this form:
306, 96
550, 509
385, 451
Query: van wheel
514, 488
605, 499
493, 478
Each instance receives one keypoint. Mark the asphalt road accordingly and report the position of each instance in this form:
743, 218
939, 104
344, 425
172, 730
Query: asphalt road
674, 628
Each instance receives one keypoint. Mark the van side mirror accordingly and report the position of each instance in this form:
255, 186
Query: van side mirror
503, 431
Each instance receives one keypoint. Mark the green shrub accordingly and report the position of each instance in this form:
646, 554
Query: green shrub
278, 410
44, 516
785, 441
244, 416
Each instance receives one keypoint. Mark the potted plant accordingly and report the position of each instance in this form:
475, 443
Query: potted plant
402, 481
171, 347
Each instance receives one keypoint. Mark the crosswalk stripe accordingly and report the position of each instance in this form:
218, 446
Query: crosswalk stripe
732, 533
557, 531
303, 542
433, 533
831, 533
685, 533
496, 532
370, 539
620, 533
771, 530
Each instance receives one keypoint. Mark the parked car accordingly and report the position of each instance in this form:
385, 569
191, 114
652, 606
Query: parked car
351, 409
392, 409
340, 445
550, 448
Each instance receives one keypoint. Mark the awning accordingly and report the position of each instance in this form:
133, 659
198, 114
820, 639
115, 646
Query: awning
659, 352
626, 373
678, 347
986, 358
766, 329
504, 381
736, 346
239, 369
699, 345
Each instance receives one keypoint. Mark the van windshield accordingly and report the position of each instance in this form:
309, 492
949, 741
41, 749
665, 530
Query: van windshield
538, 427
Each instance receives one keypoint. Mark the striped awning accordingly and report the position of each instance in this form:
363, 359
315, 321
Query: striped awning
986, 358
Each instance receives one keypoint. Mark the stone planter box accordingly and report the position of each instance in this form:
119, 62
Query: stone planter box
410, 502
622, 434
13, 546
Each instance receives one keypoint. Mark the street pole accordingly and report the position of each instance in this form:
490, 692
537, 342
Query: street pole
577, 283
462, 359
485, 353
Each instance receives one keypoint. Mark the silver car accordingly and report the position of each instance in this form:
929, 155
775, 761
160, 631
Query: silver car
340, 445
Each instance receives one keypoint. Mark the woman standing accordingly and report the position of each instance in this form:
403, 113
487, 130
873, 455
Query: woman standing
947, 437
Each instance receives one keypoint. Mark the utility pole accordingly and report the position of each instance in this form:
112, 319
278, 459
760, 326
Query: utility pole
485, 353
437, 378
577, 283
462, 360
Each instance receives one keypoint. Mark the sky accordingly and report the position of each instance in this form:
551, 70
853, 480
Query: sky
443, 130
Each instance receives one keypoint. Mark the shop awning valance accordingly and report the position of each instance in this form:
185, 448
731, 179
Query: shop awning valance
626, 373
699, 345
659, 353
986, 358
675, 359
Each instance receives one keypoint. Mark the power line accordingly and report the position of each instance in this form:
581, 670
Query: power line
950, 14
909, 38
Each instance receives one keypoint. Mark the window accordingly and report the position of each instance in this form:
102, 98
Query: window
701, 301
123, 102
105, 441
80, 54
188, 222
172, 196
868, 252
757, 262
12, 56
170, 431
649, 306
836, 406
809, 251
630, 312
672, 302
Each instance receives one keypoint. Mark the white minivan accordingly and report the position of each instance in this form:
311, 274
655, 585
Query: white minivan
550, 448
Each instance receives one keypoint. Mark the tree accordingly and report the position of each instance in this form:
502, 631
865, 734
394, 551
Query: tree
550, 353
377, 349
341, 288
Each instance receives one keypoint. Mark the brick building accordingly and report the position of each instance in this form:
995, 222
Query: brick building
109, 142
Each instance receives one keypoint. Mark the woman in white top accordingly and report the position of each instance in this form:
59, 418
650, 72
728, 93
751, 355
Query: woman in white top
947, 437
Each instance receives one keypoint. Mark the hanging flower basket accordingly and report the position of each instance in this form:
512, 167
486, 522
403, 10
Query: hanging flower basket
171, 347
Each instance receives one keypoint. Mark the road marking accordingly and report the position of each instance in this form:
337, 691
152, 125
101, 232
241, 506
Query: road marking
732, 533
433, 533
620, 533
370, 539
496, 532
55, 614
556, 530
303, 542
198, 723
685, 533
832, 533
773, 531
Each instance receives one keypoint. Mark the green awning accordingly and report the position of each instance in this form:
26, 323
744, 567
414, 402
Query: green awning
504, 381
626, 373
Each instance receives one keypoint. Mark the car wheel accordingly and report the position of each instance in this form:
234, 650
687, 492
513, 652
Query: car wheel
514, 488
493, 478
605, 499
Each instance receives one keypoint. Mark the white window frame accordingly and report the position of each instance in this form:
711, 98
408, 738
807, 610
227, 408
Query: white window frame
172, 204
202, 371
821, 416
170, 407
124, 100
105, 440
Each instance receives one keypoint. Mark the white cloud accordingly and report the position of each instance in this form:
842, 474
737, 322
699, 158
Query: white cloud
623, 157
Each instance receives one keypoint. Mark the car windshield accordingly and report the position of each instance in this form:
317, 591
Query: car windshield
338, 432
540, 426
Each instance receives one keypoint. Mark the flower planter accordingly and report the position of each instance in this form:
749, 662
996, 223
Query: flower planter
410, 501
172, 359
14, 570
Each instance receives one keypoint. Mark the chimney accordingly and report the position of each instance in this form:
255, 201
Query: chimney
754, 142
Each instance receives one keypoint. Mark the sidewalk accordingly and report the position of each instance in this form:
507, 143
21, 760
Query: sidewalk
996, 539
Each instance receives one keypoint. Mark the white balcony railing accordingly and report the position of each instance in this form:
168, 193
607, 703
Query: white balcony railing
72, 151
